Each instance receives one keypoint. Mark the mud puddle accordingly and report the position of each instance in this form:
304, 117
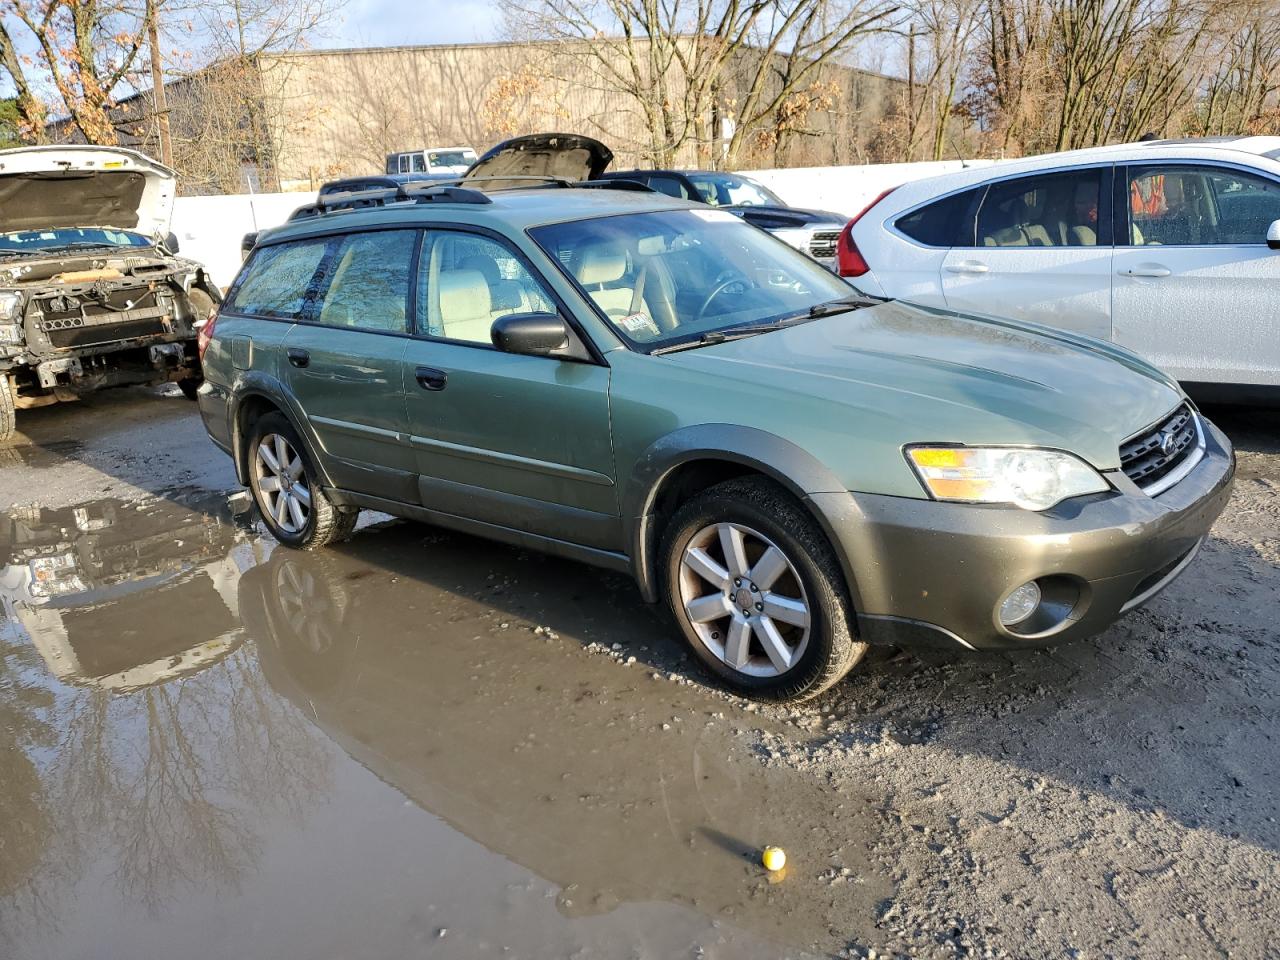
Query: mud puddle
401, 747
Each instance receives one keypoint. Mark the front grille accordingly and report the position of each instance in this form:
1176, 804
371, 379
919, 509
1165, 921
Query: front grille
822, 245
65, 339
1154, 454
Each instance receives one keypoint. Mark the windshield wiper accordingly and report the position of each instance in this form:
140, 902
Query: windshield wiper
76, 245
724, 336
827, 308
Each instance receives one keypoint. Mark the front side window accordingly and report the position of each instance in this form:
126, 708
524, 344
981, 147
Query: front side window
467, 281
1052, 210
1188, 206
667, 277
419, 163
277, 280
728, 189
364, 281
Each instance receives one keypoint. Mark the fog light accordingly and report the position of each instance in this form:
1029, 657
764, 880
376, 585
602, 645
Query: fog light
1020, 604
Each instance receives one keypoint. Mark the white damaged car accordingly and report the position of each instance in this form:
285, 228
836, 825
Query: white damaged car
92, 293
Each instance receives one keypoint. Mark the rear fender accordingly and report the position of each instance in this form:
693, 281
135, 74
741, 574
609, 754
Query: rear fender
253, 386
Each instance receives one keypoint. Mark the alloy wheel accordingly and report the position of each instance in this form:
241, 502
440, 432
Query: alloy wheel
744, 599
283, 491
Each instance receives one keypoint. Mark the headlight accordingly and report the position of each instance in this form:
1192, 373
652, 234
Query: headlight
1031, 479
10, 305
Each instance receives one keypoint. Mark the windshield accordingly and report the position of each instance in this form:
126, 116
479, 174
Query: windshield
34, 241
727, 189
672, 277
452, 158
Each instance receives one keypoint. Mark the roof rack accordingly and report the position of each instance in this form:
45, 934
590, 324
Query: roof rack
445, 191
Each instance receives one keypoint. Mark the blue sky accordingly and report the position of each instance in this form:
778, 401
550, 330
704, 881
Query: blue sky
392, 22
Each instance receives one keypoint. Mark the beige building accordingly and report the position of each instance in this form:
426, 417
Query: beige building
292, 120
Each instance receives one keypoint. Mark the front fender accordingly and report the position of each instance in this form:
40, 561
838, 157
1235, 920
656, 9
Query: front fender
257, 384
775, 457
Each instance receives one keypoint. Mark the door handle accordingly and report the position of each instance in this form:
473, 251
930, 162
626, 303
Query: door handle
968, 266
299, 358
1153, 270
429, 378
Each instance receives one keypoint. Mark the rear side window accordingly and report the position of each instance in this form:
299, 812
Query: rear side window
367, 282
1051, 210
671, 186
276, 280
944, 223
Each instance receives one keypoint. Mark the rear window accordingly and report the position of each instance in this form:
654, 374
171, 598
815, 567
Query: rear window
944, 223
276, 280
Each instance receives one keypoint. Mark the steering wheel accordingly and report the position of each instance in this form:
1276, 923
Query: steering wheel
720, 288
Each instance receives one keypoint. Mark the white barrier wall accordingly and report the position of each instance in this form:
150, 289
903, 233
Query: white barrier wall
848, 190
209, 229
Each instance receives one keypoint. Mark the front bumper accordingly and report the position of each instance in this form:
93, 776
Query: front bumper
932, 573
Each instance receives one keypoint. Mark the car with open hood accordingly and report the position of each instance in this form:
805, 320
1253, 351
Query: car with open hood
575, 157
92, 291
798, 470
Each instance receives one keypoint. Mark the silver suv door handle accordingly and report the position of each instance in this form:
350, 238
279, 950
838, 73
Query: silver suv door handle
968, 266
1153, 270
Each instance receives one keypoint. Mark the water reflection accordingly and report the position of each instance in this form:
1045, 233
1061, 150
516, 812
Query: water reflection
519, 745
157, 750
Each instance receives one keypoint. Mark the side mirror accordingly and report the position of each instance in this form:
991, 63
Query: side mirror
247, 243
1273, 236
537, 335
171, 243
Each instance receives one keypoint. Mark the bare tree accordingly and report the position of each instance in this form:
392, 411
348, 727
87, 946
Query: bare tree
711, 77
87, 50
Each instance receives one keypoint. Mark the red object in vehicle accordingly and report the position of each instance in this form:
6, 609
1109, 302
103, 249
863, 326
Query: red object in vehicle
849, 259
204, 332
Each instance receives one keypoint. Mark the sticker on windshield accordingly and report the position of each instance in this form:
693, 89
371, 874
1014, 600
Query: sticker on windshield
639, 323
714, 216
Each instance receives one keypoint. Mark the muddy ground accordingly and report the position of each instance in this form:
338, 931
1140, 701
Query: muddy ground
422, 744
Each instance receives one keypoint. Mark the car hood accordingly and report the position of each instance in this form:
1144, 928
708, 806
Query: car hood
61, 187
931, 376
772, 217
568, 156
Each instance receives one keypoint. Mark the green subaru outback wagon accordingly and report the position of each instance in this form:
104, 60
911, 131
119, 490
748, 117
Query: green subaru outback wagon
629, 380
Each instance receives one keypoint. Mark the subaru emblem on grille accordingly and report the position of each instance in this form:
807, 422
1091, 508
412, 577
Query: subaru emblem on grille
1168, 443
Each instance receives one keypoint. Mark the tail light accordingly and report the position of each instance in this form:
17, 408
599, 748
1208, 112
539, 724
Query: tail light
204, 332
849, 259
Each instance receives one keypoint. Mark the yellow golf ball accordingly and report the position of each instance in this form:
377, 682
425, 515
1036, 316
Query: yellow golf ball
773, 858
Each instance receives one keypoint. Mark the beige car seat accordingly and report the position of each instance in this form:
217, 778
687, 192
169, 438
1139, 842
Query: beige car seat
466, 309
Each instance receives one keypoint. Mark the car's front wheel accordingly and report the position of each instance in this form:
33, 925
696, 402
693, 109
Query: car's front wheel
284, 484
758, 592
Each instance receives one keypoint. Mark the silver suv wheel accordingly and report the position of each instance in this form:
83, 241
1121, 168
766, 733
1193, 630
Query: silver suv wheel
283, 492
744, 599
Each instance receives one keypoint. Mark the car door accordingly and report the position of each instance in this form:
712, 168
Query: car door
343, 361
522, 442
1195, 279
1042, 252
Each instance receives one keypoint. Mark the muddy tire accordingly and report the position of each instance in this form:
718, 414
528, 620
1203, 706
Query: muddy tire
286, 488
7, 409
190, 386
757, 591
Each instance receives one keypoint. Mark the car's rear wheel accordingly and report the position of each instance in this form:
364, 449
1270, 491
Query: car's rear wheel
757, 591
7, 409
284, 483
